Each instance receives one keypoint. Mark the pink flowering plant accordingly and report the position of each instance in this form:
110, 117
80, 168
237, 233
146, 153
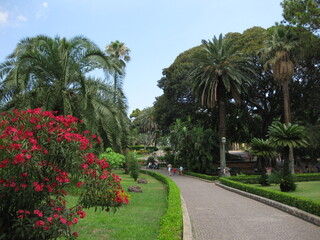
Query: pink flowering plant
40, 155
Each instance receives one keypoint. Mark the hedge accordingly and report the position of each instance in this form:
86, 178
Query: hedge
249, 179
171, 222
203, 176
304, 204
305, 177
254, 179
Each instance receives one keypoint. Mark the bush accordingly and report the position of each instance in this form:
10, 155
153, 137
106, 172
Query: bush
133, 166
171, 222
114, 159
150, 159
40, 154
287, 183
264, 180
304, 204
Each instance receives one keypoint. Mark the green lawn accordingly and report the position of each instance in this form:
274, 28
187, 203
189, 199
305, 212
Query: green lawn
309, 190
140, 219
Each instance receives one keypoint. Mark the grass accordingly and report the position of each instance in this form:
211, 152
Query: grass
310, 190
140, 219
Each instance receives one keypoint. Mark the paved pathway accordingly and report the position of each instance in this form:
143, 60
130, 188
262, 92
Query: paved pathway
218, 214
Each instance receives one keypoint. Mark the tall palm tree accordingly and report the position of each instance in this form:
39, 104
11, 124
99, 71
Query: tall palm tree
52, 73
121, 54
278, 55
220, 70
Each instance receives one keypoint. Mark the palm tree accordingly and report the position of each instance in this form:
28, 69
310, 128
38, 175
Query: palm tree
217, 72
52, 73
262, 149
265, 151
121, 54
278, 56
287, 136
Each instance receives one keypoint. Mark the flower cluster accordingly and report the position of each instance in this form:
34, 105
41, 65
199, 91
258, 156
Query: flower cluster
40, 154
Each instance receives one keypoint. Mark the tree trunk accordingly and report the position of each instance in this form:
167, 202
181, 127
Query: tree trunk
222, 123
287, 119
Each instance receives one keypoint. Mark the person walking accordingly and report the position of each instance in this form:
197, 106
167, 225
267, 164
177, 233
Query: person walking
170, 169
181, 170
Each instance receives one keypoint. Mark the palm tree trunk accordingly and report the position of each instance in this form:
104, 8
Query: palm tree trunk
286, 101
222, 123
287, 119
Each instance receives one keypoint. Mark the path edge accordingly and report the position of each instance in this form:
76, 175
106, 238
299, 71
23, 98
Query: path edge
187, 228
291, 210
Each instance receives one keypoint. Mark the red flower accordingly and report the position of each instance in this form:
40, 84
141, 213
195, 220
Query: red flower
75, 234
19, 158
38, 212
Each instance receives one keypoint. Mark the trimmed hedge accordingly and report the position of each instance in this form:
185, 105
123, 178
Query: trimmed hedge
254, 179
304, 204
249, 179
305, 177
171, 222
203, 176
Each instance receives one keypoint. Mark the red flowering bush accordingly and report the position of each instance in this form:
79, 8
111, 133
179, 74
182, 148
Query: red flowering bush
40, 154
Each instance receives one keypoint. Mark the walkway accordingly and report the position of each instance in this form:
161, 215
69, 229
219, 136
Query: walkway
218, 214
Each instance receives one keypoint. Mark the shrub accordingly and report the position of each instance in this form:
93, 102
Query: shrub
286, 181
133, 166
150, 159
264, 180
304, 204
114, 159
39, 155
171, 222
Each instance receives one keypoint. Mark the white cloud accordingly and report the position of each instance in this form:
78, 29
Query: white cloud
4, 18
45, 4
22, 18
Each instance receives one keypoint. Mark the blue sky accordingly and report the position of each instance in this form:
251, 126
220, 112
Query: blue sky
155, 31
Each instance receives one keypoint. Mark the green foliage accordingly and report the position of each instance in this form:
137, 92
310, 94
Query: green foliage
177, 101
203, 176
133, 166
171, 223
287, 183
264, 180
304, 204
114, 159
249, 179
223, 68
193, 146
307, 177
52, 73
263, 148
293, 135
302, 13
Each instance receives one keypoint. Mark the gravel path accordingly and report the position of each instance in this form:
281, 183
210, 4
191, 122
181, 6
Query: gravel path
218, 214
